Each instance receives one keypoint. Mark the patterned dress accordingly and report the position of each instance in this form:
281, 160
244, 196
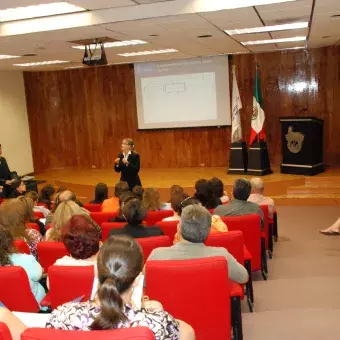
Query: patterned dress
35, 238
80, 316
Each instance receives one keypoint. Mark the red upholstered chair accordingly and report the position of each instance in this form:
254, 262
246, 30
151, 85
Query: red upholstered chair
92, 207
169, 228
138, 333
5, 334
148, 244
22, 246
15, 291
195, 291
152, 217
38, 214
69, 283
107, 226
101, 217
33, 226
49, 252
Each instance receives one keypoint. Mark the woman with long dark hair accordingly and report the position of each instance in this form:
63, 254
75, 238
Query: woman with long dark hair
101, 193
46, 195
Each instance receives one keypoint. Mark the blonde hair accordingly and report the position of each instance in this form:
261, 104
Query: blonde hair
130, 142
151, 199
14, 214
61, 216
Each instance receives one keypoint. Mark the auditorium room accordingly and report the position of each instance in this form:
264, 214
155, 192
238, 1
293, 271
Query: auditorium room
169, 169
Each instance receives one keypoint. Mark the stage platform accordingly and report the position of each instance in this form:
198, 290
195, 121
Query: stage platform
323, 189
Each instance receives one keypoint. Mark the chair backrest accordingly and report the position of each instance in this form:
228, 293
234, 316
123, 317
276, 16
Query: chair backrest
250, 225
15, 291
107, 226
69, 283
232, 241
5, 334
152, 217
265, 210
42, 205
101, 217
92, 207
169, 228
33, 226
195, 291
49, 252
148, 244
38, 214
138, 333
21, 246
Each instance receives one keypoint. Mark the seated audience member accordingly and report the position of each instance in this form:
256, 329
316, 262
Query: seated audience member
217, 225
175, 201
9, 257
333, 230
14, 214
239, 205
37, 208
120, 263
194, 228
112, 204
256, 196
123, 199
205, 194
218, 189
138, 192
101, 193
134, 213
18, 189
152, 200
46, 195
174, 190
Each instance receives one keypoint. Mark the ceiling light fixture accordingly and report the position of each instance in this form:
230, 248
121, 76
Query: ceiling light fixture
35, 11
274, 28
134, 54
5, 56
113, 44
272, 41
42, 63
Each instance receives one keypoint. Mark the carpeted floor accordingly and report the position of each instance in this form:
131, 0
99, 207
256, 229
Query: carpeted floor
301, 298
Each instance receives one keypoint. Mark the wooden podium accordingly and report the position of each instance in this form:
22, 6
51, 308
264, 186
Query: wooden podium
302, 145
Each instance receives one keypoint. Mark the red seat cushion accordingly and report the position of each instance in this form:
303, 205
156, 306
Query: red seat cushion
152, 217
4, 332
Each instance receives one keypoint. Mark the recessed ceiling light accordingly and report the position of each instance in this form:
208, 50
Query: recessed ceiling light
41, 63
205, 36
272, 41
35, 11
113, 44
268, 28
5, 56
326, 36
134, 54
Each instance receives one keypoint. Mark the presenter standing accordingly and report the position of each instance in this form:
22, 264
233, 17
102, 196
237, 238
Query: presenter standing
5, 176
128, 163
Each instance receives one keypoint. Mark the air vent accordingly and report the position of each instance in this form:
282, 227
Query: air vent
204, 36
29, 55
90, 41
335, 16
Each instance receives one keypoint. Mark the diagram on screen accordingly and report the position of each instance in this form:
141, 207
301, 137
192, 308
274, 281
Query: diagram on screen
186, 97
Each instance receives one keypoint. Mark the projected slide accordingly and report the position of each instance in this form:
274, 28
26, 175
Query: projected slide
194, 93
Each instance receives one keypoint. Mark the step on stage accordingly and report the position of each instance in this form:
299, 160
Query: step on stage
323, 189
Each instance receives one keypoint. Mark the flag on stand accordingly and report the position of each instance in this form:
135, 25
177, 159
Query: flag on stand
257, 119
236, 105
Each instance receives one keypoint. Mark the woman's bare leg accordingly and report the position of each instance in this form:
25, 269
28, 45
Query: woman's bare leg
186, 332
15, 326
335, 227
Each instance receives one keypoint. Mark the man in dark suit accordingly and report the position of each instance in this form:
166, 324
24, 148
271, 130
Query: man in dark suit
5, 176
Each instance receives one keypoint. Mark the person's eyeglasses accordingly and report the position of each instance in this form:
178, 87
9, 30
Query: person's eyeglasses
181, 204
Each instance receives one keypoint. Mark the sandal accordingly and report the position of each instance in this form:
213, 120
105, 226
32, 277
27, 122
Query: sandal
329, 233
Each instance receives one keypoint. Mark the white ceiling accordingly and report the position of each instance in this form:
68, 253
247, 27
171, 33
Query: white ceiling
175, 27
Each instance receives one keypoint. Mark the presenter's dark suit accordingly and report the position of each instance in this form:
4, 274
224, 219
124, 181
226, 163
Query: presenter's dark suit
5, 175
129, 173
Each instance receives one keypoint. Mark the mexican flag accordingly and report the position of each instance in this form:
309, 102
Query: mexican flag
257, 119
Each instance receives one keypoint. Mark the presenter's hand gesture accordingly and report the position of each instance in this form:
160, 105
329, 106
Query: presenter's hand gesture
125, 161
117, 160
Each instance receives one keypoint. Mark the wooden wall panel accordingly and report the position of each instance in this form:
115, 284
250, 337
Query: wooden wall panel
78, 117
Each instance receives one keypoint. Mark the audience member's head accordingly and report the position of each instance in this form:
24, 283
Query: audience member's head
205, 194
138, 191
120, 261
14, 214
121, 187
61, 189
152, 199
217, 187
101, 193
61, 216
176, 189
29, 206
6, 246
80, 237
241, 189
19, 186
195, 224
134, 211
46, 193
186, 202
124, 197
33, 196
257, 185
176, 200
199, 183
